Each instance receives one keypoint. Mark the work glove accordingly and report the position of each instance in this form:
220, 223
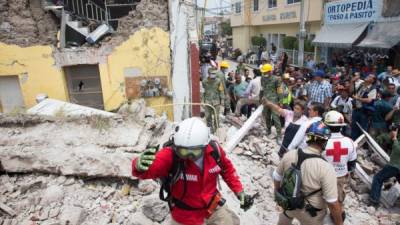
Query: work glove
146, 159
246, 201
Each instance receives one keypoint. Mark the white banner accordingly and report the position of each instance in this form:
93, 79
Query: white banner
352, 11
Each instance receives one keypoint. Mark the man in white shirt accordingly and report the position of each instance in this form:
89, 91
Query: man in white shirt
315, 111
343, 103
251, 95
340, 152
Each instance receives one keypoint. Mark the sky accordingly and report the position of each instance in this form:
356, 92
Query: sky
212, 4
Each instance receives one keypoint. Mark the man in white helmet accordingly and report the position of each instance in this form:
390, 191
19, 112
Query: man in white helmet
340, 151
189, 168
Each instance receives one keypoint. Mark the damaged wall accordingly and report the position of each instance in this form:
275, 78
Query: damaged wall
34, 67
25, 23
146, 52
141, 44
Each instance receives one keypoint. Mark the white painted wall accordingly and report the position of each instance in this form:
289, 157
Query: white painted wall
182, 32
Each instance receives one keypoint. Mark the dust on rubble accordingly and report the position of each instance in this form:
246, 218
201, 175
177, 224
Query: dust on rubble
25, 23
44, 198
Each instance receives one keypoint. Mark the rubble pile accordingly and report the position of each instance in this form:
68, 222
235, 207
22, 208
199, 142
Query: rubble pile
148, 13
76, 171
25, 23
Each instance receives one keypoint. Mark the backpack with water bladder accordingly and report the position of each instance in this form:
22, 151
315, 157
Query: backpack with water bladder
178, 172
289, 195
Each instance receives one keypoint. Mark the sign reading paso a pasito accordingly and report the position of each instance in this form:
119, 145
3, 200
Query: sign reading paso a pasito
352, 11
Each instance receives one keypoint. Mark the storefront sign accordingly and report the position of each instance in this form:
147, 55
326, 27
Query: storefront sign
269, 18
288, 15
352, 11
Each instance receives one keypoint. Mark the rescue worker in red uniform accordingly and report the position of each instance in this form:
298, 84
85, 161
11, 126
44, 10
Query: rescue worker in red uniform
340, 151
194, 190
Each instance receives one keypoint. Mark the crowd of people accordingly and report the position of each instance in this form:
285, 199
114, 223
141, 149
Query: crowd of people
348, 100
317, 113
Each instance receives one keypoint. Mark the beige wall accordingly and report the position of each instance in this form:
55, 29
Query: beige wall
283, 13
241, 37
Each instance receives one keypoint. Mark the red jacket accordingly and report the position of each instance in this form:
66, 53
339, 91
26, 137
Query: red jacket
200, 187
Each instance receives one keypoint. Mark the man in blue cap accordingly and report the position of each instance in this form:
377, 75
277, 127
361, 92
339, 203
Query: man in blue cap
319, 90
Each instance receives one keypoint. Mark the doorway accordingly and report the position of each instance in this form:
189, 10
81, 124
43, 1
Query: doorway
11, 99
84, 85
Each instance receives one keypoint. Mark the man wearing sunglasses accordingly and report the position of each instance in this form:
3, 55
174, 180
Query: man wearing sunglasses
195, 198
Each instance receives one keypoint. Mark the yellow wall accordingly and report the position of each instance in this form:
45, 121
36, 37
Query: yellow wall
241, 37
313, 12
146, 50
36, 71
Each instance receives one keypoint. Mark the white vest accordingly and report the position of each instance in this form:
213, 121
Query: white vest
338, 151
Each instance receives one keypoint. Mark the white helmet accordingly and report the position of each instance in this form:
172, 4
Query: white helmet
334, 119
192, 132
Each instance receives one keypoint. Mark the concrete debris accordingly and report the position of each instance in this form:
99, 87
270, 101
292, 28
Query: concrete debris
80, 154
7, 209
25, 23
73, 215
148, 13
154, 209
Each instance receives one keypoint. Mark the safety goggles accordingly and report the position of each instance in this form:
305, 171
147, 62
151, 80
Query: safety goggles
192, 153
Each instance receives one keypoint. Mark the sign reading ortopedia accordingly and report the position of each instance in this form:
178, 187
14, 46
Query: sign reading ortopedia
352, 11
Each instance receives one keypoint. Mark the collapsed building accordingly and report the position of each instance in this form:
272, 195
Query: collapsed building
97, 53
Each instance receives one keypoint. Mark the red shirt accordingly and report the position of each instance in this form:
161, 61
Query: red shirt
201, 186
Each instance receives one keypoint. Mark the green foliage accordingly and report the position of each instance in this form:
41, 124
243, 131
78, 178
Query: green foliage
258, 41
289, 42
226, 28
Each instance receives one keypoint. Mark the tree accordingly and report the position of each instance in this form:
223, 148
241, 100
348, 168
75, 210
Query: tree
226, 28
258, 41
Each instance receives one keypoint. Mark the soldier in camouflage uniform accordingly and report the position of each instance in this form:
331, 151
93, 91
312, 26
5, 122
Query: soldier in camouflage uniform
271, 90
221, 75
213, 95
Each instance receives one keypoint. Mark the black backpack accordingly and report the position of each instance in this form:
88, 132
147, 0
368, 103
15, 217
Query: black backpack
177, 171
289, 195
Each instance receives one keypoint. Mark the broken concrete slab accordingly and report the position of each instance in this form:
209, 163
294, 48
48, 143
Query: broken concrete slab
85, 161
53, 107
237, 137
73, 215
7, 209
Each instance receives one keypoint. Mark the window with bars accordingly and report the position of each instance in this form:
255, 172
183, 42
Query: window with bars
292, 1
272, 3
255, 5
238, 7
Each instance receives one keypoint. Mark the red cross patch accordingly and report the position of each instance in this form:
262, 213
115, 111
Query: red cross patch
337, 151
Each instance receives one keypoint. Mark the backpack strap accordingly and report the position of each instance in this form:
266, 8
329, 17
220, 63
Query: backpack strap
216, 154
303, 156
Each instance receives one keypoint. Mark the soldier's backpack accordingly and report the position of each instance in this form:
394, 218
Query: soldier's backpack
289, 195
177, 171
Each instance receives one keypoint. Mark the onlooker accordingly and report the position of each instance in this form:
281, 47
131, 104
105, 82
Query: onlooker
252, 94
299, 90
315, 112
293, 120
382, 107
343, 103
319, 90
310, 63
392, 169
364, 98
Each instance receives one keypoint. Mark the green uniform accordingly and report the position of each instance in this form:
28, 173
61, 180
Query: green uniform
240, 69
395, 155
271, 87
213, 95
384, 139
221, 77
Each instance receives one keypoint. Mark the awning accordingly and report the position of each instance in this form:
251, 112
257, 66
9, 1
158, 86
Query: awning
339, 35
382, 35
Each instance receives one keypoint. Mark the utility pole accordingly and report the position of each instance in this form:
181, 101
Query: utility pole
302, 35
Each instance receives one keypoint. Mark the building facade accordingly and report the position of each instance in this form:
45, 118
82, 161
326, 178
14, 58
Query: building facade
273, 19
